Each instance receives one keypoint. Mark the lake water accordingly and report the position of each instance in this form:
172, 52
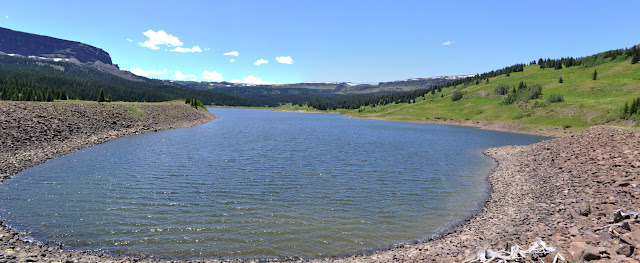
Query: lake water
256, 184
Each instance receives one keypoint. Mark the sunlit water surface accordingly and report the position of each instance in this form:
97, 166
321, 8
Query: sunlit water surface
258, 183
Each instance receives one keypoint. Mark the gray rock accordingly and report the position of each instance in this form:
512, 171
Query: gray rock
591, 253
626, 250
584, 209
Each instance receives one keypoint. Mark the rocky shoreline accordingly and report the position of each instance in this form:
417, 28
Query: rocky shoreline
559, 191
562, 191
34, 132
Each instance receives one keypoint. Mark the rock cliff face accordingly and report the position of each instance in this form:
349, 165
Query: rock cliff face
26, 44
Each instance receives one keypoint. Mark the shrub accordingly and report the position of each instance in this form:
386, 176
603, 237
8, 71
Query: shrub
501, 89
555, 98
524, 94
456, 96
539, 104
509, 99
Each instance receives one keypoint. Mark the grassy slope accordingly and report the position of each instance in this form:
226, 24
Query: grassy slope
587, 102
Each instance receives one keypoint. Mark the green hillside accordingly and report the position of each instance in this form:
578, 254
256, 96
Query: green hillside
587, 102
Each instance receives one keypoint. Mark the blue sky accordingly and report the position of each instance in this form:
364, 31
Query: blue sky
346, 40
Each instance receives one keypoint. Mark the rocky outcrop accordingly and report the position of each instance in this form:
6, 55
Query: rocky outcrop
26, 44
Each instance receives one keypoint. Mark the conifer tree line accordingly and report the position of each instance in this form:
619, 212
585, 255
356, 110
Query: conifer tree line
590, 61
631, 110
410, 96
24, 79
194, 102
28, 93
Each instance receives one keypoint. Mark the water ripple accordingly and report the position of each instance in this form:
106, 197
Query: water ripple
258, 183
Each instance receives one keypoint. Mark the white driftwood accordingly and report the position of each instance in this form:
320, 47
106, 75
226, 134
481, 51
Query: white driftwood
513, 253
618, 217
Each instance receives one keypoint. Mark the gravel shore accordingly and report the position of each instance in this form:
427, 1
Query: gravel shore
559, 191
34, 132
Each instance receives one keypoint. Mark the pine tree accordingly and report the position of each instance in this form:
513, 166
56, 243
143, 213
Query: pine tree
558, 65
521, 85
109, 98
560, 80
101, 96
625, 110
595, 74
635, 58
49, 96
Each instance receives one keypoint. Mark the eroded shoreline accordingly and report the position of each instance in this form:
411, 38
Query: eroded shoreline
538, 192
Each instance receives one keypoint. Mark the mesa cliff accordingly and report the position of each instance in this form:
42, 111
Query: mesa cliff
26, 44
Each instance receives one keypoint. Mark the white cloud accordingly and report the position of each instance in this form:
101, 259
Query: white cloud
212, 76
181, 49
285, 60
232, 60
447, 43
252, 80
206, 49
146, 73
160, 38
129, 40
179, 76
6, 17
260, 61
232, 53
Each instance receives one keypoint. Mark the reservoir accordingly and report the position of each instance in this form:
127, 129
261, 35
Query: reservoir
258, 184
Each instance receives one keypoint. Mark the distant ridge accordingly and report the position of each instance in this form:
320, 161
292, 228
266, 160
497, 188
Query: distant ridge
27, 44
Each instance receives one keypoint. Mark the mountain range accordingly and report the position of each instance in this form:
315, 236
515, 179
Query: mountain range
45, 48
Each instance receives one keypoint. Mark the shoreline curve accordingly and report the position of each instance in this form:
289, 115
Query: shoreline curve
538, 192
